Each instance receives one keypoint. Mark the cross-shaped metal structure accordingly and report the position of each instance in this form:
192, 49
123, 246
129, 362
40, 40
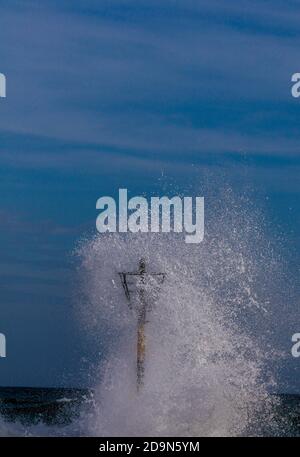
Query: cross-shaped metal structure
142, 278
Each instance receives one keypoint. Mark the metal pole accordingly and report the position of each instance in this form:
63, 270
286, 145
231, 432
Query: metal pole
141, 309
141, 339
141, 350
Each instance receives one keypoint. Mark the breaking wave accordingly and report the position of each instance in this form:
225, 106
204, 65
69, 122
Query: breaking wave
207, 361
208, 355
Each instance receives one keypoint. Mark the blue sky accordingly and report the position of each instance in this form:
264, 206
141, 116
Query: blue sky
109, 94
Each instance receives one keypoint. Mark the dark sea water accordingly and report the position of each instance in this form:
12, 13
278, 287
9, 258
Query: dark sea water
58, 409
50, 406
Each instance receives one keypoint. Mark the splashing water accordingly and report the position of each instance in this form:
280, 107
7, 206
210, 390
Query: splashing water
207, 368
205, 372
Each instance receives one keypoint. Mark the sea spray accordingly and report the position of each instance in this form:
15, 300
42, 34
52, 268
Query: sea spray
208, 338
206, 363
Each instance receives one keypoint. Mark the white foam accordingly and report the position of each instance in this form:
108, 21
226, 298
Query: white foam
204, 371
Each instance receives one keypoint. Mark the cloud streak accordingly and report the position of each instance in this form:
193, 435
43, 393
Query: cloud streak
163, 79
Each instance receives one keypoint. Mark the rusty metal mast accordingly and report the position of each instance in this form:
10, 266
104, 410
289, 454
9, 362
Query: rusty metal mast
141, 309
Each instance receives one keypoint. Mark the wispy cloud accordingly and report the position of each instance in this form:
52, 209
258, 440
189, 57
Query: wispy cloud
174, 78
